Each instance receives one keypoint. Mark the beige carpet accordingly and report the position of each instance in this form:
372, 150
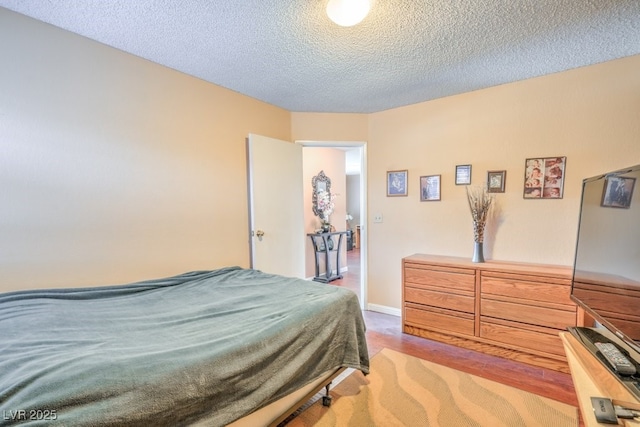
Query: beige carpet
406, 391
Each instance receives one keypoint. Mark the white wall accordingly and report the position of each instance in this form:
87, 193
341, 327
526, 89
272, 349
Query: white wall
353, 199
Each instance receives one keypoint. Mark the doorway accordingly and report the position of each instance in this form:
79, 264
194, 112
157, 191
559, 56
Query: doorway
356, 259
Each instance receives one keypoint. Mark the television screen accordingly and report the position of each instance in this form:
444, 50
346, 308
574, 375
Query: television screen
606, 278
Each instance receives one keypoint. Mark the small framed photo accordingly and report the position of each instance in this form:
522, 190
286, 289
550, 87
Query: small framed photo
429, 188
463, 174
544, 177
397, 183
496, 181
617, 192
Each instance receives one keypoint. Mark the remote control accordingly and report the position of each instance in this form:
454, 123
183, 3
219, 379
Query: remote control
604, 411
620, 363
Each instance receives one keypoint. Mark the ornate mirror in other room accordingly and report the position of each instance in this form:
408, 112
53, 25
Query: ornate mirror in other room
320, 182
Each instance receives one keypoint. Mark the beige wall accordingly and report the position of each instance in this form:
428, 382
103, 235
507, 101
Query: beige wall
115, 169
591, 115
332, 162
329, 127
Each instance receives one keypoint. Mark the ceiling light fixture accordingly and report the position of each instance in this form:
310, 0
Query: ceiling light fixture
348, 13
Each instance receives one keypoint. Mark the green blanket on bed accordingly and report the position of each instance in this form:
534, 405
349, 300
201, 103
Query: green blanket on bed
212, 345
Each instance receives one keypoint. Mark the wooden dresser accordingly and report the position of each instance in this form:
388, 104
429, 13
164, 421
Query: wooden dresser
508, 309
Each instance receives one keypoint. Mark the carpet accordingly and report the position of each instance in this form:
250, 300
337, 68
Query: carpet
402, 390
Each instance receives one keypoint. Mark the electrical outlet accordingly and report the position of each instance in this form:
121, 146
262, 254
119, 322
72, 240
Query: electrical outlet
377, 217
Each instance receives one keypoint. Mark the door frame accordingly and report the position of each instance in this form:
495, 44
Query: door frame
363, 204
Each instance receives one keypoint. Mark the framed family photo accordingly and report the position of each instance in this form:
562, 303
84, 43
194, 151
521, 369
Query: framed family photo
429, 188
496, 181
463, 174
617, 192
397, 183
544, 177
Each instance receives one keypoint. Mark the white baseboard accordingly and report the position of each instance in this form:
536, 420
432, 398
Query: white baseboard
385, 309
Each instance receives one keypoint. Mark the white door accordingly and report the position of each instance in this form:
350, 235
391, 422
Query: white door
276, 206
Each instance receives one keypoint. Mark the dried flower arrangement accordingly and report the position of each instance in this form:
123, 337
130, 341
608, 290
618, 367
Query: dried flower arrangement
479, 203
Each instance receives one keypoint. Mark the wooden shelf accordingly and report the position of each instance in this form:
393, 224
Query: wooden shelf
591, 379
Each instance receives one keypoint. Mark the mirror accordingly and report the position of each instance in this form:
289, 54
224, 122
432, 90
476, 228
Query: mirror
320, 182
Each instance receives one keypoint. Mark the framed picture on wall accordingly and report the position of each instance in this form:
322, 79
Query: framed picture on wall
463, 174
397, 183
429, 188
496, 181
544, 177
617, 192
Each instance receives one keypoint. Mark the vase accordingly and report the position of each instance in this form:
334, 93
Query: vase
478, 255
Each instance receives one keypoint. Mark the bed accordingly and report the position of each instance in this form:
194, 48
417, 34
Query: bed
202, 348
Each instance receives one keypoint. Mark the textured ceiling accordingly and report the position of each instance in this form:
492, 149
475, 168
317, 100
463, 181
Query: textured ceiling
288, 53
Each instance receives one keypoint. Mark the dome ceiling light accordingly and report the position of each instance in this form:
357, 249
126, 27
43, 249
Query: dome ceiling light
348, 13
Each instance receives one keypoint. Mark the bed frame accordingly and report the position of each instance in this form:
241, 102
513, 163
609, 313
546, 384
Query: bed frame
274, 414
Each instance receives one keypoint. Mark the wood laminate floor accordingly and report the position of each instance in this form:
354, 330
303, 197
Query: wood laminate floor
385, 330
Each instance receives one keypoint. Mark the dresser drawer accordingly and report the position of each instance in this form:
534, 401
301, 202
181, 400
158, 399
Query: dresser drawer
508, 309
547, 341
526, 290
523, 313
440, 299
452, 279
439, 320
